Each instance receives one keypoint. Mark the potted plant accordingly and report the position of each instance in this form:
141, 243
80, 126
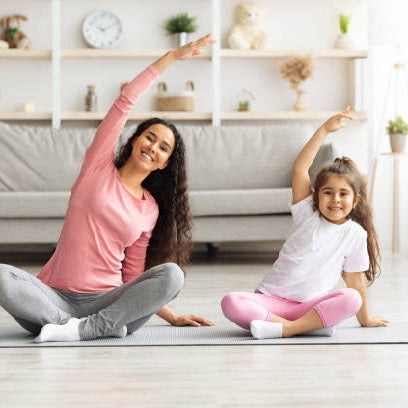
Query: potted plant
180, 26
244, 103
343, 40
398, 130
296, 70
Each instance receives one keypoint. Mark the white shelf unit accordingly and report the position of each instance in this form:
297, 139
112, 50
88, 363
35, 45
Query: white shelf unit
215, 56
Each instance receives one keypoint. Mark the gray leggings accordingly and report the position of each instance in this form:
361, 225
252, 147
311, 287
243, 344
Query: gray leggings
34, 304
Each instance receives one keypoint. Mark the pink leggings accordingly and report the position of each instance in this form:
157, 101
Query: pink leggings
242, 307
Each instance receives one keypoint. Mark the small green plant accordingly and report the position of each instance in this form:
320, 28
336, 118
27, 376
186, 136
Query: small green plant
397, 126
344, 21
244, 104
181, 23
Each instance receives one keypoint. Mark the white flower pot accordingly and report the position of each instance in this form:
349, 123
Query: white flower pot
344, 42
397, 142
181, 39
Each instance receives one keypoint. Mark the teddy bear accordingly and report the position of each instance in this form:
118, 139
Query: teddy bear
12, 33
248, 32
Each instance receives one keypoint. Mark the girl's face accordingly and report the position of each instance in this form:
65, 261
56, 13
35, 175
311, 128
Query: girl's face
153, 148
336, 199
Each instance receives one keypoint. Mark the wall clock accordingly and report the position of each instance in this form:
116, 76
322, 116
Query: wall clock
102, 29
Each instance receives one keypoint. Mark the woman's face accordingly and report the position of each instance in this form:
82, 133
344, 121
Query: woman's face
336, 199
153, 148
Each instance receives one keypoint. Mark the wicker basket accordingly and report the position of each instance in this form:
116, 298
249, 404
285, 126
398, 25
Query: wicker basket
182, 101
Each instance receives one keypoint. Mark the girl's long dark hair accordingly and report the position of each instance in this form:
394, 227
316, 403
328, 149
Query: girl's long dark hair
362, 212
171, 237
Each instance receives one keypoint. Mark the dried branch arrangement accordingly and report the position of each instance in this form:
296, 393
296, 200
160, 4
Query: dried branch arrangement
298, 69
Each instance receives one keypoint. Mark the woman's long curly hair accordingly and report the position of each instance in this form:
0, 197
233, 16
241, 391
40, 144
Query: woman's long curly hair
361, 213
171, 238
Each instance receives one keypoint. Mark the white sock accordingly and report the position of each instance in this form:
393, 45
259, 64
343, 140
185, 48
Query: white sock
59, 332
325, 331
68, 332
261, 329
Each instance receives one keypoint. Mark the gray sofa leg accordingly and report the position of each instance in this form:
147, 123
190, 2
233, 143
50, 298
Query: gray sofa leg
212, 249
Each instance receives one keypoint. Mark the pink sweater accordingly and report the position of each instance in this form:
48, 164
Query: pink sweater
106, 231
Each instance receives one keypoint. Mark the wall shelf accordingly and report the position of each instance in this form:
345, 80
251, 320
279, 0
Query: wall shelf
155, 53
264, 53
25, 115
285, 115
119, 53
139, 115
15, 53
193, 116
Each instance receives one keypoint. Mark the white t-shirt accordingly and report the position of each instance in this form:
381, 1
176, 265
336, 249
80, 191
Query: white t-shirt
314, 256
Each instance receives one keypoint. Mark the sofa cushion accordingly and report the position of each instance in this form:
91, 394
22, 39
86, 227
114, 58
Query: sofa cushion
37, 158
242, 157
29, 204
240, 202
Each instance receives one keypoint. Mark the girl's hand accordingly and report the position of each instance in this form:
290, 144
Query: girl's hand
193, 48
334, 123
375, 322
190, 321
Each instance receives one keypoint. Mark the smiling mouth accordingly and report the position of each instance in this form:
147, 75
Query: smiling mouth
334, 208
144, 154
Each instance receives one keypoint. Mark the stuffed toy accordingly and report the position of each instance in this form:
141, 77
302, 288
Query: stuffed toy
248, 32
12, 33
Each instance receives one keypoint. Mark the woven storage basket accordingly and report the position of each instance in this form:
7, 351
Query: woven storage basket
182, 101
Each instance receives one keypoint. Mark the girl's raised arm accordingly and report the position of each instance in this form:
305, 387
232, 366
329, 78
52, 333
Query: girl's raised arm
301, 186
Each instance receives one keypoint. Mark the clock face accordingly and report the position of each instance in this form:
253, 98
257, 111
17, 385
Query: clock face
102, 29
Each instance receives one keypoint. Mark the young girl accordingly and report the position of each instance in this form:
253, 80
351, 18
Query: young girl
124, 215
332, 236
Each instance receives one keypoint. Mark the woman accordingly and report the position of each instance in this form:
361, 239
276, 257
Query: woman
124, 215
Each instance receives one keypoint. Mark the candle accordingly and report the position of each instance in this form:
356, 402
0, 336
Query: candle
28, 107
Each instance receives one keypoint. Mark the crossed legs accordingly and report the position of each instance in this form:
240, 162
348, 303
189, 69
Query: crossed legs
292, 317
115, 313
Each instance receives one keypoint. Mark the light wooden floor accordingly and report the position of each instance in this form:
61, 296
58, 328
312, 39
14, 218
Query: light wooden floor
218, 376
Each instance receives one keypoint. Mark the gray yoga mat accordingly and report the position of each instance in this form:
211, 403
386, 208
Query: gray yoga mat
222, 334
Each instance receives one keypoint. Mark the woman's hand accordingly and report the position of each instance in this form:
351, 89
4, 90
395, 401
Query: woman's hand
192, 49
187, 51
335, 123
190, 321
375, 322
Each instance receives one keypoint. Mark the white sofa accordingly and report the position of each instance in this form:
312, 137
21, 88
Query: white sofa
239, 179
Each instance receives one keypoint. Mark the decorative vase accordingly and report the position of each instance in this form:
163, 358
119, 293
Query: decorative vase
344, 42
397, 142
181, 39
300, 103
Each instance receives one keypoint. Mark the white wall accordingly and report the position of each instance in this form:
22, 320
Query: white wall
388, 37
